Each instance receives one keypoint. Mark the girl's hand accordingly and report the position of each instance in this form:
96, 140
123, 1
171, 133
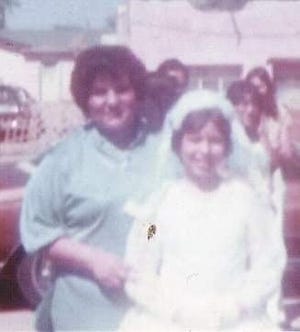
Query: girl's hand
209, 313
108, 270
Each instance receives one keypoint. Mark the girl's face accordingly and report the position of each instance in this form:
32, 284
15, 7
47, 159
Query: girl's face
202, 153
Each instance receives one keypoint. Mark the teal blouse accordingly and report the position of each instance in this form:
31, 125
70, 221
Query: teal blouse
79, 190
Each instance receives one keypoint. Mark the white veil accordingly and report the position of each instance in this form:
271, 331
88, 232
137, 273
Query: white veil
168, 165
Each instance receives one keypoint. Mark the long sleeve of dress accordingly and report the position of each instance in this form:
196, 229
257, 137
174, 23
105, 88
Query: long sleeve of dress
266, 256
143, 254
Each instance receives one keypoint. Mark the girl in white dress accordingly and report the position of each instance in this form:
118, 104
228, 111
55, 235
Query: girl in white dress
205, 252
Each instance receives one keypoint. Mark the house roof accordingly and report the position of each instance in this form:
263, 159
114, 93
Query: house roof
259, 31
60, 41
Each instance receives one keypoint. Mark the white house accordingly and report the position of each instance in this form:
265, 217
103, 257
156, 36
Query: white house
42, 61
218, 46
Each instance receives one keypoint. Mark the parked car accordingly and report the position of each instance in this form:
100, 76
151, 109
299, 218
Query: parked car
23, 278
15, 111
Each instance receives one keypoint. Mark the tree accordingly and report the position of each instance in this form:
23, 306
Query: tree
4, 6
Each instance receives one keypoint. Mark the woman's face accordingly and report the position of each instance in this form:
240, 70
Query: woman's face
249, 113
202, 153
112, 104
180, 80
260, 85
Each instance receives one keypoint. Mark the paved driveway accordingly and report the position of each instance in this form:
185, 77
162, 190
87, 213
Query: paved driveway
13, 321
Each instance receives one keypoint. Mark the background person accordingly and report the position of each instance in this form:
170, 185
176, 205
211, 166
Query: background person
73, 208
276, 120
261, 80
215, 258
246, 102
258, 162
176, 70
255, 158
161, 93
163, 88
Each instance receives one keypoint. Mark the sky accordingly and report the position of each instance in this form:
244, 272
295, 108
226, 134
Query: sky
44, 14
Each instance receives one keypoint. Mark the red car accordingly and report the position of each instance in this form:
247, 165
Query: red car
15, 111
22, 277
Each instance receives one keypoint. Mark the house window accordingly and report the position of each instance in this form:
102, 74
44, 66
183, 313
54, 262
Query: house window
209, 83
216, 78
50, 82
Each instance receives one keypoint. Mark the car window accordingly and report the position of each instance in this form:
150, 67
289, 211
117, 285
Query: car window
8, 108
8, 101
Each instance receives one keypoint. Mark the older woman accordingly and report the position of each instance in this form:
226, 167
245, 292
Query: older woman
73, 208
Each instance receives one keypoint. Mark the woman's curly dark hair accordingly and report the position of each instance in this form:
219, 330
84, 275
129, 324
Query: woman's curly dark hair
115, 61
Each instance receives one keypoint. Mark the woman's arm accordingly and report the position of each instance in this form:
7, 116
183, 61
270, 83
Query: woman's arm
43, 226
105, 268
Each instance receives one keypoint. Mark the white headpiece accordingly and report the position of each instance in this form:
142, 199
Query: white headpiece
195, 100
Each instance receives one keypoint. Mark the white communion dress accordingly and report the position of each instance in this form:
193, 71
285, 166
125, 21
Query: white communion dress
204, 260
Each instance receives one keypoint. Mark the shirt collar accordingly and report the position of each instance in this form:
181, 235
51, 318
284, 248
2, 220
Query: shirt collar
103, 145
